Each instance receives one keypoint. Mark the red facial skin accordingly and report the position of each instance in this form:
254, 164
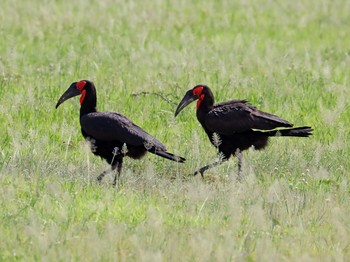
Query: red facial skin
80, 86
198, 92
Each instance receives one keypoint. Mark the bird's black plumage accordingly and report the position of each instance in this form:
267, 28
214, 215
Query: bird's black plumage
111, 135
235, 125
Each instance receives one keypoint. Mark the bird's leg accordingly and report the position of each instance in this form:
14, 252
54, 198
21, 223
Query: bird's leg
203, 169
239, 156
101, 176
117, 174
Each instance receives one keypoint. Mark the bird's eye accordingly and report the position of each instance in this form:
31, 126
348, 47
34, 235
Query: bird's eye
80, 85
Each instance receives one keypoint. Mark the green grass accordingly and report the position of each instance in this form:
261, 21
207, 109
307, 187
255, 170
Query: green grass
290, 58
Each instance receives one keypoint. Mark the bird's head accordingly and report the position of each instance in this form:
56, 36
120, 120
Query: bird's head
75, 89
199, 92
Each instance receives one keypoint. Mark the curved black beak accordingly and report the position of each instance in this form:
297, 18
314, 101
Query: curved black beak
186, 100
71, 92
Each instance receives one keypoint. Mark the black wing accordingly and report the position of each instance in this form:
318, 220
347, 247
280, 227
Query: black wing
110, 126
238, 116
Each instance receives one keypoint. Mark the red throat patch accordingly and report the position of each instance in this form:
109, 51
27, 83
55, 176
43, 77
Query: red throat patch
82, 97
200, 99
80, 85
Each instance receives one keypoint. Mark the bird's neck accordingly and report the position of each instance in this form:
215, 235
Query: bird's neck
88, 102
201, 113
205, 104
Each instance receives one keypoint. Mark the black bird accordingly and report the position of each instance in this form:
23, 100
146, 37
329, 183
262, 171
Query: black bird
112, 135
235, 125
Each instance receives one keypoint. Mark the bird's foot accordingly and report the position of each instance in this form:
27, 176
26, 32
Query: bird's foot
99, 178
117, 183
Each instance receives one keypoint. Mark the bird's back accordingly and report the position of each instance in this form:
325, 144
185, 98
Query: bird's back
237, 116
112, 126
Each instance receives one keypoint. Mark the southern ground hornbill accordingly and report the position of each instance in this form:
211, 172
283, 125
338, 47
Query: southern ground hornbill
235, 125
112, 135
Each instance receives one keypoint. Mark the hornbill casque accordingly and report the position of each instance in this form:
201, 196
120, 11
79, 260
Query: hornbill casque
235, 125
112, 135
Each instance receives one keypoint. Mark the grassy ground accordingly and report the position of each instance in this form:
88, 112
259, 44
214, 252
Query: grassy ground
290, 58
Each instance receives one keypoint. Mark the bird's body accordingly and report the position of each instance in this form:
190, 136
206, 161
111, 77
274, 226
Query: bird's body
235, 126
110, 131
111, 135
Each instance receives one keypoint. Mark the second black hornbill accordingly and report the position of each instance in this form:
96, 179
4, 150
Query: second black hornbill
112, 136
235, 125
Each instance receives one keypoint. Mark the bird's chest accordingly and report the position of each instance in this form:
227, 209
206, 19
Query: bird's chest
92, 143
97, 147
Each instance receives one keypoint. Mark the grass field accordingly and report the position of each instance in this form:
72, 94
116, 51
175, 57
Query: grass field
290, 58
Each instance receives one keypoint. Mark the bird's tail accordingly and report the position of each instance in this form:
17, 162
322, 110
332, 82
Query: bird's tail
167, 155
303, 131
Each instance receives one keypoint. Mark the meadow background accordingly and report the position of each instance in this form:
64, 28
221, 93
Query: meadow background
290, 58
